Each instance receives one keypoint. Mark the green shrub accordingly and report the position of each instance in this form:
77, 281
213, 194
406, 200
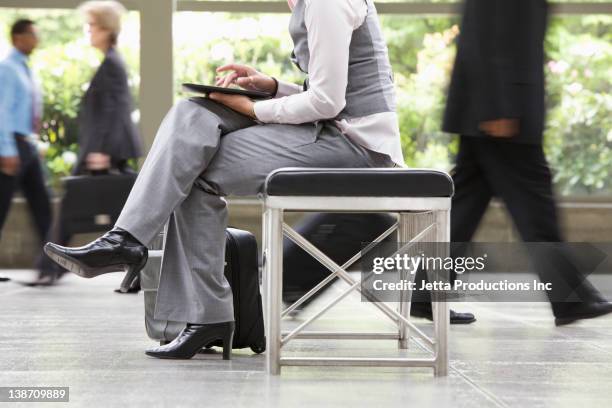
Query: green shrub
579, 67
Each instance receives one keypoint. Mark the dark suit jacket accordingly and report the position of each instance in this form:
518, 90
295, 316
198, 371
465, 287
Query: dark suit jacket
499, 69
105, 123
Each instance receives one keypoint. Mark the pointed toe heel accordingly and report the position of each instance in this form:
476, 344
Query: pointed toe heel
112, 252
194, 337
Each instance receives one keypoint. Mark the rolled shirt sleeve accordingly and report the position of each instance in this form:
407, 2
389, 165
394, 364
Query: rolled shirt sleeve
8, 148
330, 27
287, 89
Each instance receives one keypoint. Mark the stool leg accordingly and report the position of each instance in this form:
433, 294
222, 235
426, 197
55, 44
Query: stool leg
273, 239
404, 236
264, 268
439, 302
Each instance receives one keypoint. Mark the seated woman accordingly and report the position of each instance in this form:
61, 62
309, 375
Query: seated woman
107, 136
206, 149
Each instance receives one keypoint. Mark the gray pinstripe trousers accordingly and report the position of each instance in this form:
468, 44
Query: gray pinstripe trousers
204, 151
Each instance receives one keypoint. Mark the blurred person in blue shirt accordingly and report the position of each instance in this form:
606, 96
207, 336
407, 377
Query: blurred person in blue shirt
20, 115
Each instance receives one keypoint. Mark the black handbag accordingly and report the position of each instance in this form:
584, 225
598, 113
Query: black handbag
93, 203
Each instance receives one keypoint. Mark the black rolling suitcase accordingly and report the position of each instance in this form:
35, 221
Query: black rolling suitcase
338, 235
242, 272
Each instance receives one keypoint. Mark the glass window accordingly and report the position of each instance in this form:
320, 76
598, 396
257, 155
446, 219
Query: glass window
64, 64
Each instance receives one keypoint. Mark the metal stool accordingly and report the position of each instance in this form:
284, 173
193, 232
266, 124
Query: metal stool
402, 191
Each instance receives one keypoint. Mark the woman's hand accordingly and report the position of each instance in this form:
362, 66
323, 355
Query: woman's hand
246, 78
239, 103
9, 165
98, 161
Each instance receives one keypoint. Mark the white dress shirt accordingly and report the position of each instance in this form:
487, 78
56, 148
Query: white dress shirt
330, 25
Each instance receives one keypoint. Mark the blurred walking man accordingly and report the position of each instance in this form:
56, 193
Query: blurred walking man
20, 114
496, 104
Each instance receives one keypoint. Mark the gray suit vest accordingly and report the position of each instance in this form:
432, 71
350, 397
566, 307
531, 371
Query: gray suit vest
370, 77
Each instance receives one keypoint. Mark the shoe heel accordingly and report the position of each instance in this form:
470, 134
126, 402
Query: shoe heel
228, 341
131, 274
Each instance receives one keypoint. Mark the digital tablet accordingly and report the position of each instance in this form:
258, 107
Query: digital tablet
208, 89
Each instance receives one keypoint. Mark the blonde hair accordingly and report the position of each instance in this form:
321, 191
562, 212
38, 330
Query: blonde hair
107, 14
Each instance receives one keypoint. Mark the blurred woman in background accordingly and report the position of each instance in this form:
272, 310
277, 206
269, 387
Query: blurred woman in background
107, 134
108, 137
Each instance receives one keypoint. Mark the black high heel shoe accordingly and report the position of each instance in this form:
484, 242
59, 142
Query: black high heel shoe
193, 338
115, 251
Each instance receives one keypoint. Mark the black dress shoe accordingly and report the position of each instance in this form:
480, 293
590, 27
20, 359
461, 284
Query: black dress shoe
43, 280
115, 251
585, 310
47, 276
193, 338
416, 310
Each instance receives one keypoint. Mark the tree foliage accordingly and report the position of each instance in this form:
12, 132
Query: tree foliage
578, 67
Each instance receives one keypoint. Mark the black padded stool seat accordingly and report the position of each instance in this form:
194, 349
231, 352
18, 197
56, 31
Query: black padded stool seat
363, 182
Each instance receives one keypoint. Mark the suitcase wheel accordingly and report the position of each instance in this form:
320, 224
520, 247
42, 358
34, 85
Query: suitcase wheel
258, 348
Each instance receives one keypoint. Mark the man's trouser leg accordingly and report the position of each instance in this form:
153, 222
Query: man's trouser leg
471, 200
31, 180
7, 189
520, 176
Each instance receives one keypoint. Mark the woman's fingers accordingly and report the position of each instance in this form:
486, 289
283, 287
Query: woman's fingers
229, 79
220, 79
228, 67
245, 82
242, 75
243, 69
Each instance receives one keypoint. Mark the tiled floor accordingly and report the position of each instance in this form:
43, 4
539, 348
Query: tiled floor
82, 335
